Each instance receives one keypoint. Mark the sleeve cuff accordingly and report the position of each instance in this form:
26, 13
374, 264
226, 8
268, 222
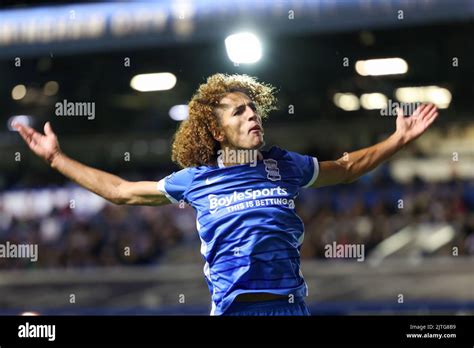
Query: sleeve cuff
161, 187
315, 173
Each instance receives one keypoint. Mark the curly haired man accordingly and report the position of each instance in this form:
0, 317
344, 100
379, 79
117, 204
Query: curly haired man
250, 233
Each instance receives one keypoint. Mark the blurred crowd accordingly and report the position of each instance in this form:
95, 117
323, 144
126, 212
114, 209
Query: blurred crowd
367, 211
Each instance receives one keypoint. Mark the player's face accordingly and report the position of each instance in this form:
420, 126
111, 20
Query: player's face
240, 123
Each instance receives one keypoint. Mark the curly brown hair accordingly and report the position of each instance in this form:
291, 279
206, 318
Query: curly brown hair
194, 143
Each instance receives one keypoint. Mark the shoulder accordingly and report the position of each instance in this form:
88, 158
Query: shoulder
190, 174
191, 171
274, 152
278, 153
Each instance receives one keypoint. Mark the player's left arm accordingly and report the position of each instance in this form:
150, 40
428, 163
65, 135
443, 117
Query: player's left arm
355, 164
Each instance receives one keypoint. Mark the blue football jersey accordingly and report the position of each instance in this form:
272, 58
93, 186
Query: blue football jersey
250, 233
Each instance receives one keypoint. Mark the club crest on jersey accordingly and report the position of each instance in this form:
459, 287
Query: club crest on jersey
271, 167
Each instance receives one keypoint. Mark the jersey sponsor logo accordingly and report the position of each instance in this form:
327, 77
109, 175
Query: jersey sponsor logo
216, 202
271, 167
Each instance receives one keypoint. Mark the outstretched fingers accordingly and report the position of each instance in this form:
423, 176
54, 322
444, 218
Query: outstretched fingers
30, 136
430, 112
48, 130
431, 118
424, 109
25, 132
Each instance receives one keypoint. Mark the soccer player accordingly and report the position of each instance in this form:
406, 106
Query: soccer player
250, 233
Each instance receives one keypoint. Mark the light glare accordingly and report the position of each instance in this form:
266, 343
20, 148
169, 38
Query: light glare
153, 82
378, 67
18, 92
179, 112
21, 119
372, 101
346, 101
243, 48
439, 96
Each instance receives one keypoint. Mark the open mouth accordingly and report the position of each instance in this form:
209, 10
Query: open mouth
256, 128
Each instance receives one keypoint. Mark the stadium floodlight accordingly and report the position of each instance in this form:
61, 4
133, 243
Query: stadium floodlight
439, 96
18, 92
21, 119
243, 48
372, 101
153, 82
346, 101
384, 66
50, 88
179, 112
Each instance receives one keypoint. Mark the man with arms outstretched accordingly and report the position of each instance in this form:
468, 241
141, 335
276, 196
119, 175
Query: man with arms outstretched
246, 220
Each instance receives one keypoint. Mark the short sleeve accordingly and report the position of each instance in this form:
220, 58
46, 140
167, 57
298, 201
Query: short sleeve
309, 167
174, 186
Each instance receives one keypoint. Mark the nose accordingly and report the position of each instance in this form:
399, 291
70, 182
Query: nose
252, 115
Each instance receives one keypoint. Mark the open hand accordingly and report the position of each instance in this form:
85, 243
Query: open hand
45, 146
410, 128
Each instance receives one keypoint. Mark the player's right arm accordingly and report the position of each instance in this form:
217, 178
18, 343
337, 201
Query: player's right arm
106, 185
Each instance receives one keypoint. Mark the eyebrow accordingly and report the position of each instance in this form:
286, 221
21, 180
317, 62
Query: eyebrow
228, 106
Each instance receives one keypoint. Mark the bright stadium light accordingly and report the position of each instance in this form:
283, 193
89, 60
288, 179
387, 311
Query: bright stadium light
378, 67
346, 101
50, 88
21, 119
153, 82
372, 101
439, 96
243, 48
18, 92
179, 112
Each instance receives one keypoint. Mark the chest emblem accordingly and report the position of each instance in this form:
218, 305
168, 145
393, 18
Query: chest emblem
271, 167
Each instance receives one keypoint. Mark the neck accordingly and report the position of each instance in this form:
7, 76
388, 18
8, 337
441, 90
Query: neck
230, 156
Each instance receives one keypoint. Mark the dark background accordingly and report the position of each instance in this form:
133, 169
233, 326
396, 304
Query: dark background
303, 58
